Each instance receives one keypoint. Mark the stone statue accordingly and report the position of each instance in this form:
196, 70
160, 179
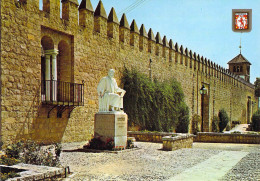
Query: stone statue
110, 95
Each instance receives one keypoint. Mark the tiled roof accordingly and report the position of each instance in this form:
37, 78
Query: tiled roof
239, 59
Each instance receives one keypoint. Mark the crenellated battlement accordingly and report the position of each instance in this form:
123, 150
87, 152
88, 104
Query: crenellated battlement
109, 26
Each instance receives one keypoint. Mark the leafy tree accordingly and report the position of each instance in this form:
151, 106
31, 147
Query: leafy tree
215, 124
256, 121
196, 124
257, 87
154, 105
223, 119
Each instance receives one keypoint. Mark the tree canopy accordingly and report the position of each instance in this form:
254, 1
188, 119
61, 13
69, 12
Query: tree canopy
257, 87
154, 105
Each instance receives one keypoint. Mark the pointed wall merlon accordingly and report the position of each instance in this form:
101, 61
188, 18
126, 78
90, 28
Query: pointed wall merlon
202, 59
191, 54
165, 42
171, 44
198, 58
86, 5
195, 56
181, 49
124, 22
86, 14
158, 38
134, 28
151, 35
100, 10
187, 52
112, 17
211, 64
143, 31
177, 48
206, 61
218, 66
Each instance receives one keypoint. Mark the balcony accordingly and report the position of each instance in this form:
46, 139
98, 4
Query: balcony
62, 95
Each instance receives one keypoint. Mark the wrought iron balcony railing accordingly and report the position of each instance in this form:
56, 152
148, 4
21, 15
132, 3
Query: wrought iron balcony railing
62, 93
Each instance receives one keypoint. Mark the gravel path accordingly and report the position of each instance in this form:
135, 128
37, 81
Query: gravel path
151, 163
247, 169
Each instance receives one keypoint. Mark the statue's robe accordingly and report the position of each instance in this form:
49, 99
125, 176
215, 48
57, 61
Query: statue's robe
107, 90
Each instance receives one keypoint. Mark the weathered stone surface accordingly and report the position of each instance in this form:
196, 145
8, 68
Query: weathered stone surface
93, 47
111, 125
177, 142
228, 138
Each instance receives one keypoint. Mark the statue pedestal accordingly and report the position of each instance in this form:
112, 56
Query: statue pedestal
111, 125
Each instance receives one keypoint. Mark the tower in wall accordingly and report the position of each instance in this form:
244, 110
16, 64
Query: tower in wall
240, 66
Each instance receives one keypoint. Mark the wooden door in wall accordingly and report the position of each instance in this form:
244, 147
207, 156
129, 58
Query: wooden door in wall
205, 113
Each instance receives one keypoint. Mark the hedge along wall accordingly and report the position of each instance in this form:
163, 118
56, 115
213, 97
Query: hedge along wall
154, 105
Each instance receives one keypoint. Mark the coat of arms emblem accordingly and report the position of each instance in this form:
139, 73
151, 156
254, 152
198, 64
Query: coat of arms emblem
241, 21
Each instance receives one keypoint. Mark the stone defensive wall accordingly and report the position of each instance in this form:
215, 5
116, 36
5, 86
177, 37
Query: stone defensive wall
83, 44
228, 138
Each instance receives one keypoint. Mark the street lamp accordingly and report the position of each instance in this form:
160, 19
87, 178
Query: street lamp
203, 91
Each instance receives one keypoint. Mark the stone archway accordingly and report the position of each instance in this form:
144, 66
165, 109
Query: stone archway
64, 62
48, 68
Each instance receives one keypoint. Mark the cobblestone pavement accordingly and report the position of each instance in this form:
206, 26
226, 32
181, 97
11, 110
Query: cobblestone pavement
151, 163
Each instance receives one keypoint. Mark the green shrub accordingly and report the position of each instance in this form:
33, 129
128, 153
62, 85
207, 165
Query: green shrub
5, 160
14, 150
215, 124
30, 152
5, 176
196, 124
98, 144
183, 123
223, 119
228, 127
154, 105
130, 144
256, 121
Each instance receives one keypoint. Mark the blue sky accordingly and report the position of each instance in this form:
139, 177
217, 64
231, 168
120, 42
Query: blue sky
203, 26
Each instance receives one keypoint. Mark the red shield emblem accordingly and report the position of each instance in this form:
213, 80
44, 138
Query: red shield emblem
241, 21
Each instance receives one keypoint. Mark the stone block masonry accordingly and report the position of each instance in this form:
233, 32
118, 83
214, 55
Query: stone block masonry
157, 137
228, 138
87, 47
177, 142
111, 126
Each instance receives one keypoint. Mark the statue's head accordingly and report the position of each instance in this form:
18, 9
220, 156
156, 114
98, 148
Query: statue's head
111, 73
